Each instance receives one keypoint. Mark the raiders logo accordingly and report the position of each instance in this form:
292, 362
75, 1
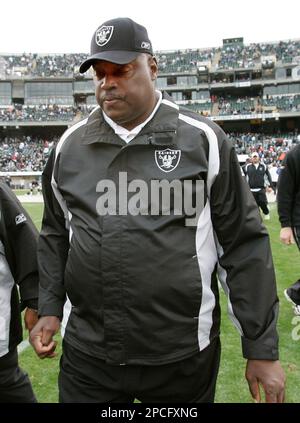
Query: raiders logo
20, 219
103, 35
167, 160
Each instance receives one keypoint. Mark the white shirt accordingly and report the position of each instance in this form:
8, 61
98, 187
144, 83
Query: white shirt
274, 173
122, 132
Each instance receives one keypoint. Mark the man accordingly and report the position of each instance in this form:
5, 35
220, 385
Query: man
288, 200
18, 269
8, 180
141, 274
274, 173
256, 174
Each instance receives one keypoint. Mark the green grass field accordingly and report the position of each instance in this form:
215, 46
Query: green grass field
232, 386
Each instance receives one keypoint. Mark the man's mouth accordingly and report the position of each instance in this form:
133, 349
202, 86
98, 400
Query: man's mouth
110, 99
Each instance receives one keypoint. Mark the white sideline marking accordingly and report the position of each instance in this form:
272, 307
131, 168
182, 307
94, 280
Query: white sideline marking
22, 347
30, 198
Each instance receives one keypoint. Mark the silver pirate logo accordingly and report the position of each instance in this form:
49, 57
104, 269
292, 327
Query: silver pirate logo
103, 35
167, 160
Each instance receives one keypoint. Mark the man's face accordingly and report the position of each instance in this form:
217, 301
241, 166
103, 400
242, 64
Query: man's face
255, 159
126, 93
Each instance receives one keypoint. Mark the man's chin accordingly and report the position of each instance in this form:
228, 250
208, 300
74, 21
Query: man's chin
112, 114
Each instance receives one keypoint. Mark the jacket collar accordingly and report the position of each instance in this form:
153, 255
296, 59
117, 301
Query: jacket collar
161, 130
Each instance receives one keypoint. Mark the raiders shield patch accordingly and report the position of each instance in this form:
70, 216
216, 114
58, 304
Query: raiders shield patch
167, 160
103, 35
20, 219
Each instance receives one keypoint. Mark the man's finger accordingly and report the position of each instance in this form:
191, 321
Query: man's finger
281, 397
254, 390
271, 397
47, 351
274, 395
47, 336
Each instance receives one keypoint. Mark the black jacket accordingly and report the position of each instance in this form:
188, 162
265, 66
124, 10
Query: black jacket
18, 267
144, 288
288, 195
256, 177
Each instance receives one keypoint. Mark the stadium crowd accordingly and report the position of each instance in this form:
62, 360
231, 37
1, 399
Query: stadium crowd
28, 64
241, 56
226, 105
24, 153
66, 65
271, 149
29, 153
38, 113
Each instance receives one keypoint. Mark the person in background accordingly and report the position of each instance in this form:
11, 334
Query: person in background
142, 277
18, 291
288, 203
8, 180
274, 172
256, 174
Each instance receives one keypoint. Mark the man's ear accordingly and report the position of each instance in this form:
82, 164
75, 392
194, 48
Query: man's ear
153, 67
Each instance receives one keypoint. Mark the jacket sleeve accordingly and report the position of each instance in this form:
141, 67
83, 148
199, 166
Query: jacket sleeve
245, 259
286, 191
21, 246
53, 249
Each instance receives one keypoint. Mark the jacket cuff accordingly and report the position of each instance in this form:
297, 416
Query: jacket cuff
264, 346
30, 303
51, 310
286, 224
260, 349
29, 288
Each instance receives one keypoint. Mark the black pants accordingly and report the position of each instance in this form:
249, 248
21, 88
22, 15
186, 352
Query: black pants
14, 383
261, 200
84, 378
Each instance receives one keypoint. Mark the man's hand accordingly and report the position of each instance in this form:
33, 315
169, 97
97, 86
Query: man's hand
270, 375
286, 236
41, 336
30, 318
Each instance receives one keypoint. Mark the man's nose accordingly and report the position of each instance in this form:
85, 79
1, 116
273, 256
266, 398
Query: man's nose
108, 82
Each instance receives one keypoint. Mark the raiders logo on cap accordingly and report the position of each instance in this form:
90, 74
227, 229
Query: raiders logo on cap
103, 35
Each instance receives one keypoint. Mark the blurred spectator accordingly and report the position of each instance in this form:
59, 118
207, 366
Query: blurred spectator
274, 172
256, 173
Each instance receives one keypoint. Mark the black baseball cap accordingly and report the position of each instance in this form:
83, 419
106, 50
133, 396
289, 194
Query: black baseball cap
119, 41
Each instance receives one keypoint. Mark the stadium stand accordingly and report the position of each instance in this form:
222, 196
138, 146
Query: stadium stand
252, 91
